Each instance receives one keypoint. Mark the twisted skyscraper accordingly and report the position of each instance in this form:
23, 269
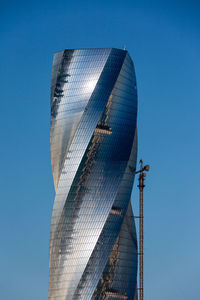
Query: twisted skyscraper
93, 246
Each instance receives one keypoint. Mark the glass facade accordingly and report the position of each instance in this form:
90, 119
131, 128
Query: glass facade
93, 245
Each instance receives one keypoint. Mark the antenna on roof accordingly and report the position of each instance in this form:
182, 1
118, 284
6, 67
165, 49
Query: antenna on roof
124, 48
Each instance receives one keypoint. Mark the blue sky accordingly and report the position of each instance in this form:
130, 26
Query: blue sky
163, 39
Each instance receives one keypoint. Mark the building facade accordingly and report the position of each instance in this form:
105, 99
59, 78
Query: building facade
93, 245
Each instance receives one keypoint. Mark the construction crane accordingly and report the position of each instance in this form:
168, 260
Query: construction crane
141, 186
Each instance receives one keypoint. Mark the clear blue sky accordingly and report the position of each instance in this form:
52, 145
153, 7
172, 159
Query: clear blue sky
163, 38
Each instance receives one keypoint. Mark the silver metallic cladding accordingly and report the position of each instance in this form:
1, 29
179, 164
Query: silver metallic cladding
91, 152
